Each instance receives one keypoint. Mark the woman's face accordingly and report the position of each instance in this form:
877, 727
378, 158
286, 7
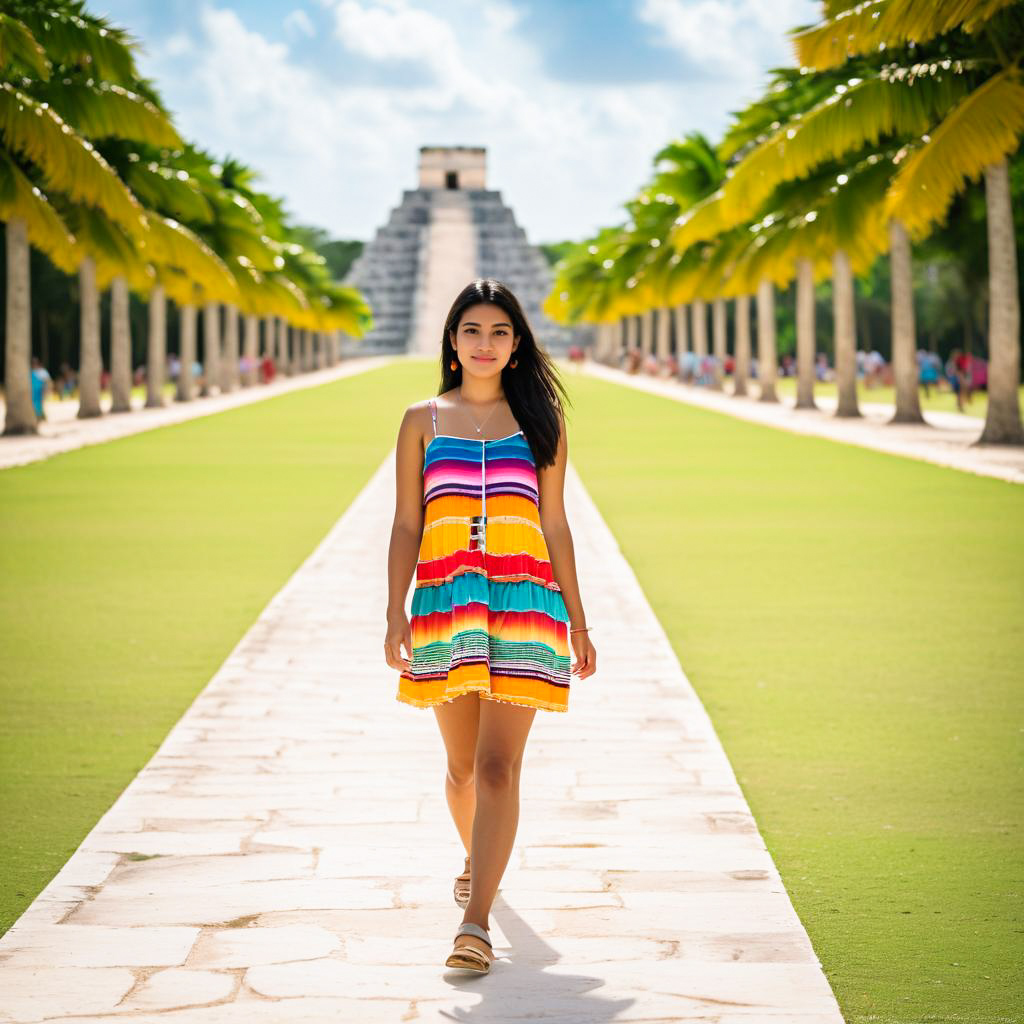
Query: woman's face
484, 342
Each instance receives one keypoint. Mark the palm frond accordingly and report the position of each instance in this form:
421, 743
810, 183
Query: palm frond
702, 221
172, 244
20, 199
19, 46
105, 110
982, 129
73, 37
67, 162
900, 102
877, 24
173, 192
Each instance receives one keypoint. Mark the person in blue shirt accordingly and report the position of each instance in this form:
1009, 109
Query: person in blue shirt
40, 382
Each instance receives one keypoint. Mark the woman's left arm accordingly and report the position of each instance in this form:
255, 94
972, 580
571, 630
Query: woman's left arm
558, 538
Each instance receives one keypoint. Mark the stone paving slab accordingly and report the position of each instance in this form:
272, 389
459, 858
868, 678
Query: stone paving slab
63, 431
287, 854
947, 438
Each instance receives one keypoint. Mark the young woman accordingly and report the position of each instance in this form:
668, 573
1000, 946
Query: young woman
480, 519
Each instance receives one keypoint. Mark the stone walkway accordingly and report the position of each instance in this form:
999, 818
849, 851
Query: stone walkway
63, 431
287, 854
947, 438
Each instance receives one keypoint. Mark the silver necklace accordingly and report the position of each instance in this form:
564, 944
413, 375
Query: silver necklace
486, 418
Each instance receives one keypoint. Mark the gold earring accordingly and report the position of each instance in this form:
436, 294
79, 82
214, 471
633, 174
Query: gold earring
454, 364
513, 364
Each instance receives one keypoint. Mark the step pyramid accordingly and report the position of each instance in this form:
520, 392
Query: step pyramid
443, 234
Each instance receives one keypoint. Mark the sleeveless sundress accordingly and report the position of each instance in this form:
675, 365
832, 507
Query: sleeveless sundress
487, 614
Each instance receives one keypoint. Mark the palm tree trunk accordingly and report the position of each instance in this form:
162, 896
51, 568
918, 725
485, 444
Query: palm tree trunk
661, 345
742, 372
251, 345
718, 341
229, 369
1002, 421
90, 361
286, 348
120, 347
156, 348
20, 416
269, 336
805, 336
647, 331
767, 363
906, 375
211, 348
682, 329
700, 329
186, 351
845, 338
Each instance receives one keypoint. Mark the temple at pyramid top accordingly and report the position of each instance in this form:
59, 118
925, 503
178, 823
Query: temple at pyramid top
453, 167
444, 233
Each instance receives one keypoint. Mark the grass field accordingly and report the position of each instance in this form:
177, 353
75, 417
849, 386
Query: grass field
937, 401
851, 621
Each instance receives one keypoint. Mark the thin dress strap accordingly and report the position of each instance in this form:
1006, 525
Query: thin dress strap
433, 416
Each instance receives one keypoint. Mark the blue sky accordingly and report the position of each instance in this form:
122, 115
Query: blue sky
330, 100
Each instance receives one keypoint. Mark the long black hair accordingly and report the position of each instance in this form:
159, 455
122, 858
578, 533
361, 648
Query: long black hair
534, 389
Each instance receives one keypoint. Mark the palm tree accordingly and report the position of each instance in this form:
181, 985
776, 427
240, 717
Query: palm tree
969, 138
43, 158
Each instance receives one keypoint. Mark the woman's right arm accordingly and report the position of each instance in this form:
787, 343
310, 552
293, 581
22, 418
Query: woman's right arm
406, 534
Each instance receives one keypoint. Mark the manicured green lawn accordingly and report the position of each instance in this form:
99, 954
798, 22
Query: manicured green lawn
852, 622
131, 569
938, 401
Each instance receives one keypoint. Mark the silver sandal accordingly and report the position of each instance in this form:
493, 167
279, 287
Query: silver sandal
467, 955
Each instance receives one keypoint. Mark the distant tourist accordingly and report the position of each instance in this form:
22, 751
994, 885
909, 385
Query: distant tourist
66, 381
928, 367
40, 383
958, 372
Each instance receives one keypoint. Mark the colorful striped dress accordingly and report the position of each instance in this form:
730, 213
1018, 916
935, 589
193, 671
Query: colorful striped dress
486, 614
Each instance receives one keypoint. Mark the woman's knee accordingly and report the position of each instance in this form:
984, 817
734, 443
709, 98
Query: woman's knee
460, 773
496, 771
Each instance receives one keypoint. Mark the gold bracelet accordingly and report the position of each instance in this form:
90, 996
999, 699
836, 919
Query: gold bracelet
580, 629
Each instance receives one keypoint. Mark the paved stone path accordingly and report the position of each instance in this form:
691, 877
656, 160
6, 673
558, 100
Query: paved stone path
947, 439
287, 854
63, 431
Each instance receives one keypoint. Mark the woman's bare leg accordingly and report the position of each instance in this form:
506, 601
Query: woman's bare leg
501, 739
458, 720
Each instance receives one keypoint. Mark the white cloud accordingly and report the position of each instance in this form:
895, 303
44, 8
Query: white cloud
731, 39
564, 155
297, 23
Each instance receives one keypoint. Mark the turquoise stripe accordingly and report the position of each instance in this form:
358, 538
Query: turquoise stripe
469, 587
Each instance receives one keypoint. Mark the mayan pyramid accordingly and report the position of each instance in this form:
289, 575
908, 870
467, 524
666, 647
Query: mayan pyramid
443, 234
